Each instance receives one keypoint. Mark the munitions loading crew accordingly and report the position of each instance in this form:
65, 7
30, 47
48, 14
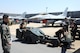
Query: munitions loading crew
64, 29
65, 24
73, 25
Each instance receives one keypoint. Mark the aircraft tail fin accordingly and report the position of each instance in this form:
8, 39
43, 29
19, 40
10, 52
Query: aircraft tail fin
23, 15
65, 12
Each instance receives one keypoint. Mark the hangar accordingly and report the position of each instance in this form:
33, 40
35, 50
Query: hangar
72, 14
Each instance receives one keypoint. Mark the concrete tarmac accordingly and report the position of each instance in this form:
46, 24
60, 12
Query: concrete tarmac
18, 47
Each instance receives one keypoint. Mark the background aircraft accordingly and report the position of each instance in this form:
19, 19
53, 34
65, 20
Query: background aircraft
50, 19
15, 19
22, 16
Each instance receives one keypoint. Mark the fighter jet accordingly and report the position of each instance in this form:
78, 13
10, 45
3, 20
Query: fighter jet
51, 19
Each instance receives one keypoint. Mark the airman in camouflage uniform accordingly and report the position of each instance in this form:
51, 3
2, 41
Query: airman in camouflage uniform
5, 34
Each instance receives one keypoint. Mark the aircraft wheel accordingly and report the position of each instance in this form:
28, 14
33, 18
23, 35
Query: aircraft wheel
60, 24
53, 24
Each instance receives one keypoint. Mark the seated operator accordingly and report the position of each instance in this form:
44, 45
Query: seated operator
23, 24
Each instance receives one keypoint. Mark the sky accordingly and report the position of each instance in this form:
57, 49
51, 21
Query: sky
38, 6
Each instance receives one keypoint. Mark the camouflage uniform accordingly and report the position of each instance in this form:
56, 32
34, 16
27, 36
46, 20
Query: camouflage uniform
5, 37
